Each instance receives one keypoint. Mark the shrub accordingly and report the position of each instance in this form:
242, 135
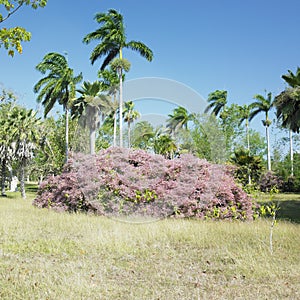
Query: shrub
125, 181
270, 181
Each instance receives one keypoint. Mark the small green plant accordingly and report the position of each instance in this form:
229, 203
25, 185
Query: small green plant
270, 210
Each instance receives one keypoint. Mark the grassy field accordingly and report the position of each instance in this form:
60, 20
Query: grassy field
46, 255
289, 205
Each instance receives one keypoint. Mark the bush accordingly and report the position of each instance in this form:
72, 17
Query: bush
125, 181
270, 181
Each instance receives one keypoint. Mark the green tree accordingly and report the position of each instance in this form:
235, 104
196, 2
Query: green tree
11, 38
179, 119
58, 86
142, 135
217, 101
89, 106
130, 115
25, 134
287, 105
6, 149
112, 37
263, 104
110, 83
250, 167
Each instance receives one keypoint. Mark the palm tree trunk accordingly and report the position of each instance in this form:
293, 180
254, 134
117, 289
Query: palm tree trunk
3, 177
129, 142
121, 107
22, 179
92, 140
268, 148
291, 153
248, 136
115, 128
67, 133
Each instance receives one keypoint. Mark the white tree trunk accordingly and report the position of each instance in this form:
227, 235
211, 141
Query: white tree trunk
115, 129
67, 133
22, 179
291, 153
121, 107
268, 148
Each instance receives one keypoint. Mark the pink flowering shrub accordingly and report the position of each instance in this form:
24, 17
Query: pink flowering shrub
125, 181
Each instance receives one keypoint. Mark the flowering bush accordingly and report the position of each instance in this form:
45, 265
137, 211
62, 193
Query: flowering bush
125, 181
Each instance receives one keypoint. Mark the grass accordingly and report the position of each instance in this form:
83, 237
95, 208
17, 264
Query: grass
289, 205
47, 255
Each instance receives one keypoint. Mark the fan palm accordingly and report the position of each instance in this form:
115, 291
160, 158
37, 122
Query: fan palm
58, 86
263, 104
112, 37
217, 101
25, 134
89, 106
130, 115
6, 151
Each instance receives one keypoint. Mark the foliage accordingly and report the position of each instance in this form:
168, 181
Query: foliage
125, 181
11, 38
270, 181
249, 167
217, 101
112, 37
287, 105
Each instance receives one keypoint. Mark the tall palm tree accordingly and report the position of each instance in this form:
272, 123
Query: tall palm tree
178, 119
245, 115
263, 104
58, 86
287, 108
112, 37
89, 106
287, 105
217, 101
130, 115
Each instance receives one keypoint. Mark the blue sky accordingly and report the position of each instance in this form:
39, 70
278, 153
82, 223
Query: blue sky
241, 46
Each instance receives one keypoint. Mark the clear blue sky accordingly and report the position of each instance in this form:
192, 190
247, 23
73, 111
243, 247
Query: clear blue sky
237, 45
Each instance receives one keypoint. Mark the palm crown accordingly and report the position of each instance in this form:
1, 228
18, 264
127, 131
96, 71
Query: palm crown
112, 39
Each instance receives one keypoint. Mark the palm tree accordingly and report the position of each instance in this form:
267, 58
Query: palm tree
245, 115
142, 135
89, 106
6, 150
164, 144
179, 119
287, 108
287, 105
58, 86
110, 83
263, 104
112, 37
217, 101
130, 115
25, 134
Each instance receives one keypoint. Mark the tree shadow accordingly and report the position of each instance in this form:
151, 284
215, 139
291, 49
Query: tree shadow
289, 210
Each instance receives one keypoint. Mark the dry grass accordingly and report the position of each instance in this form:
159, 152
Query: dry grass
46, 255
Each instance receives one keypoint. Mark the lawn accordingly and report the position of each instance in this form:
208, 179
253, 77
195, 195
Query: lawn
48, 255
289, 205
